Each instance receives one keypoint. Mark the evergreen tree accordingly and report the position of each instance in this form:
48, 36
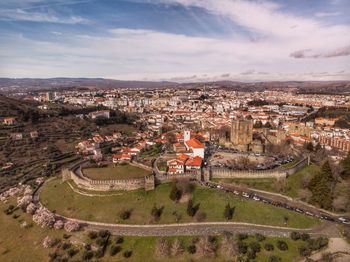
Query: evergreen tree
345, 163
321, 187
228, 212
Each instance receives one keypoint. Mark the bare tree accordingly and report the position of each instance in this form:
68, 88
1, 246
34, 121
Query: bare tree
162, 247
177, 248
206, 246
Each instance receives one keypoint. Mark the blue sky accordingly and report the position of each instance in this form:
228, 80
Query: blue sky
178, 40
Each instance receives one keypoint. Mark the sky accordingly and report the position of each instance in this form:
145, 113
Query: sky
176, 40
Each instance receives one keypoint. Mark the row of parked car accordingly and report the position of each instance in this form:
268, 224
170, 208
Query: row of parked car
255, 197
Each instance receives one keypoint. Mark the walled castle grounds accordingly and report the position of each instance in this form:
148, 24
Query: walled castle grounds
64, 199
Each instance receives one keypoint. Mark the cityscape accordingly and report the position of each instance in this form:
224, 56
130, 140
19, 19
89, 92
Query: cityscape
174, 130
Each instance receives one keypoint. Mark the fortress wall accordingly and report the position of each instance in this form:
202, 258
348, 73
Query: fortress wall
275, 173
226, 173
105, 185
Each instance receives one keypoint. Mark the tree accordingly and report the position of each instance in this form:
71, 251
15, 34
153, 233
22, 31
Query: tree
162, 247
114, 250
295, 235
228, 212
191, 209
229, 245
260, 237
156, 212
176, 248
282, 245
125, 214
175, 193
269, 247
206, 246
345, 163
321, 186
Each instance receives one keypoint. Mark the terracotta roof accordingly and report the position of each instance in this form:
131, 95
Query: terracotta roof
194, 143
182, 157
195, 161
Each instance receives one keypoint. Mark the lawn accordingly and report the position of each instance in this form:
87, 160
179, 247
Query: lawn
294, 182
111, 172
59, 197
18, 244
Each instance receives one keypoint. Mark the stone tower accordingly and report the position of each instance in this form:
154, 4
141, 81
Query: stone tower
241, 132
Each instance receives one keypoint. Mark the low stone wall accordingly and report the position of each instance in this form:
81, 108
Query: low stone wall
169, 178
75, 174
226, 173
274, 173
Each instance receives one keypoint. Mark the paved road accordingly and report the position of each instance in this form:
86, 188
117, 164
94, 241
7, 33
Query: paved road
203, 228
214, 228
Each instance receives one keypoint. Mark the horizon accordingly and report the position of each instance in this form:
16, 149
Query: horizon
182, 41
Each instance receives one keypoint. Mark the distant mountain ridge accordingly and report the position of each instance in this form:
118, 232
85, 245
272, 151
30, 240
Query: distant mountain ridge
12, 85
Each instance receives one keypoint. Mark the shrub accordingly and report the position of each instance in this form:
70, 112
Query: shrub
101, 241
269, 247
92, 235
274, 258
127, 253
206, 246
242, 236
114, 250
72, 252
103, 233
260, 237
242, 247
156, 212
318, 243
255, 246
305, 236
282, 245
87, 255
304, 251
119, 240
162, 247
228, 212
295, 235
191, 209
125, 214
66, 245
191, 249
99, 253
175, 194
200, 216
176, 248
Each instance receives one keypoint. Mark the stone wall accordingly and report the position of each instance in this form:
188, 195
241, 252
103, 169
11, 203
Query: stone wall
75, 174
274, 173
169, 178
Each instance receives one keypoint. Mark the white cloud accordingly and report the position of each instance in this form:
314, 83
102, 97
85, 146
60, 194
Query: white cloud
327, 14
138, 54
22, 15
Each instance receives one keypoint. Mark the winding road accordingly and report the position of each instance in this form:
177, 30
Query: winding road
201, 228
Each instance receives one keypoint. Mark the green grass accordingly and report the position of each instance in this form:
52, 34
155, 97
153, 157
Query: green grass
59, 197
18, 244
294, 182
266, 184
112, 172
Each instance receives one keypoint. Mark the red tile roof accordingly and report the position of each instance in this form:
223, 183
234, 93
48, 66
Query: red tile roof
194, 143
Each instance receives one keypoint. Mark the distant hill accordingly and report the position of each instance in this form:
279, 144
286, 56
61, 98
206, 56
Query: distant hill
17, 108
35, 84
11, 85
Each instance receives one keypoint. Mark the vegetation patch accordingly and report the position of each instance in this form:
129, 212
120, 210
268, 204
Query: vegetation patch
115, 172
209, 205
